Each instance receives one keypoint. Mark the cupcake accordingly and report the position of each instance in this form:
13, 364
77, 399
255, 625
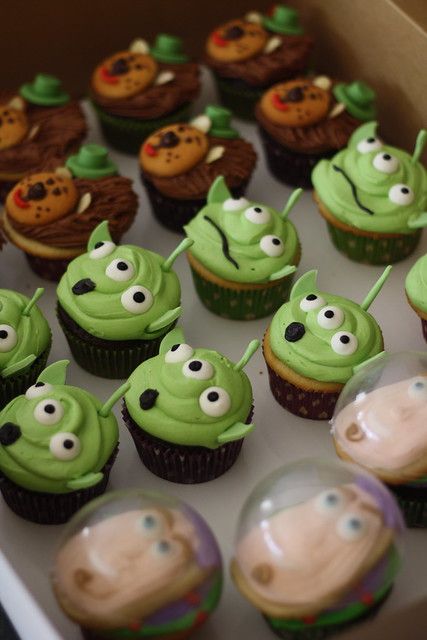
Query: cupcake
313, 344
188, 410
249, 54
416, 291
304, 120
135, 92
244, 254
37, 122
58, 444
116, 303
51, 215
317, 548
135, 564
372, 197
25, 340
380, 423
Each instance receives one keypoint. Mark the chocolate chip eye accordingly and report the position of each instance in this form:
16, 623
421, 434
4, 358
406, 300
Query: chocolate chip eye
258, 215
310, 302
102, 249
36, 191
369, 144
137, 299
179, 353
8, 338
38, 389
386, 163
169, 140
344, 343
65, 446
120, 270
215, 402
272, 246
330, 317
401, 194
48, 412
198, 369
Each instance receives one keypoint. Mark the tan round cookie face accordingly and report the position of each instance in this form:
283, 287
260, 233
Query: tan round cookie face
236, 40
297, 103
13, 126
41, 198
124, 74
173, 150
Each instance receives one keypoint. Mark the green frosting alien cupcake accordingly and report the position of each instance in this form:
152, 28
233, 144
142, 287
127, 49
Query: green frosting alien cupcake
115, 304
244, 254
373, 197
188, 410
416, 291
57, 447
313, 344
25, 340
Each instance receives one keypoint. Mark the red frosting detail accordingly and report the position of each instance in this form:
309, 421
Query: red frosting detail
309, 619
193, 598
17, 199
278, 104
367, 598
219, 40
149, 149
107, 77
135, 626
201, 617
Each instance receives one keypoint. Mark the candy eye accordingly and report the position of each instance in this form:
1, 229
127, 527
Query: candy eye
199, 369
38, 389
150, 525
163, 549
369, 144
351, 527
344, 343
65, 446
48, 411
234, 204
102, 249
215, 402
386, 163
401, 194
330, 317
310, 302
329, 501
179, 353
8, 338
120, 270
137, 299
418, 389
272, 246
258, 215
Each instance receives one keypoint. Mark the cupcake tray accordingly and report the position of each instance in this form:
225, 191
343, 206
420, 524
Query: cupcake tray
26, 549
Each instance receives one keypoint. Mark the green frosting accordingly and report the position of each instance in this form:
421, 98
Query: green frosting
374, 187
243, 241
416, 284
56, 438
24, 332
314, 347
121, 292
199, 397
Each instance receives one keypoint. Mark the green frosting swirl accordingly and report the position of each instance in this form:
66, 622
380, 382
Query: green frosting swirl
416, 284
361, 185
24, 332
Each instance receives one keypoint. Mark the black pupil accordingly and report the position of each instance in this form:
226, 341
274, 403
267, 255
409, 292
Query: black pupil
311, 296
329, 314
68, 444
276, 241
257, 209
49, 408
195, 365
3, 334
345, 339
39, 384
139, 297
175, 347
164, 546
213, 396
122, 266
386, 156
404, 190
98, 245
371, 140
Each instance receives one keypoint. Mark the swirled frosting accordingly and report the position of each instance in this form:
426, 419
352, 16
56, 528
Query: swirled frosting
416, 284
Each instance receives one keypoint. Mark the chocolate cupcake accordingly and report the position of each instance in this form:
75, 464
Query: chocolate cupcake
305, 120
37, 122
137, 91
51, 215
179, 163
248, 55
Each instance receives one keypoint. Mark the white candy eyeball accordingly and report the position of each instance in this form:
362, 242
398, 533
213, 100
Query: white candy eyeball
215, 402
120, 270
179, 353
48, 411
330, 317
137, 299
386, 163
198, 369
344, 343
272, 246
8, 338
38, 389
65, 446
102, 250
369, 144
401, 194
234, 204
150, 524
310, 302
418, 389
258, 215
329, 502
163, 549
351, 527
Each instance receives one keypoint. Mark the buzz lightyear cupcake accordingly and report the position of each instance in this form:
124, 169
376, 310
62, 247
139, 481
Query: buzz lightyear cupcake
416, 291
116, 303
244, 254
373, 197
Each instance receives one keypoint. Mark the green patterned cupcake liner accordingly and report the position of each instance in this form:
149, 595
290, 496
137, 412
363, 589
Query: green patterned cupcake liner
238, 97
371, 250
18, 384
127, 134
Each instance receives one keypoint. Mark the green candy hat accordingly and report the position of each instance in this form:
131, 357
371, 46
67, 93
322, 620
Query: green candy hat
91, 161
45, 90
220, 122
169, 49
358, 99
283, 20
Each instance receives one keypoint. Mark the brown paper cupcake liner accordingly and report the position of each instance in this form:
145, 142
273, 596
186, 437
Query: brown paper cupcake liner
18, 384
413, 504
179, 463
424, 328
47, 268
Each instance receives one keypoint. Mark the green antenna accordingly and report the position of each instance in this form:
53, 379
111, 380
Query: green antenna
250, 350
37, 295
419, 146
183, 246
109, 404
292, 200
376, 288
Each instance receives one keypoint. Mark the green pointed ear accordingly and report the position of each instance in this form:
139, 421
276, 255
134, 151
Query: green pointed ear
100, 234
218, 191
364, 364
176, 336
418, 220
237, 431
367, 130
306, 284
55, 373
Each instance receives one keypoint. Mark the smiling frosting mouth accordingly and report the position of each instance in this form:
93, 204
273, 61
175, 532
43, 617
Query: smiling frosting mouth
225, 246
353, 189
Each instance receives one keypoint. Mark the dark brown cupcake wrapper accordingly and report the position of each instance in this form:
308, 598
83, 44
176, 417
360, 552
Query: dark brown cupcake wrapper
51, 508
238, 96
18, 384
413, 503
424, 328
47, 268
178, 463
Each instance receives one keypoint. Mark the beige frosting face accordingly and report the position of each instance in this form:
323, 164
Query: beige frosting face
13, 126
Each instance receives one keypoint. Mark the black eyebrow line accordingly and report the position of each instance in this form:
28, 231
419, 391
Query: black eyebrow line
225, 248
353, 189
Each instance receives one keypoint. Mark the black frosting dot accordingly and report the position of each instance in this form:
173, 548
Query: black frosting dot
258, 209
99, 244
213, 396
68, 444
195, 365
49, 408
174, 347
275, 241
9, 433
3, 334
138, 296
122, 266
345, 339
147, 399
294, 331
329, 314
371, 140
39, 384
386, 156
311, 296
404, 190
